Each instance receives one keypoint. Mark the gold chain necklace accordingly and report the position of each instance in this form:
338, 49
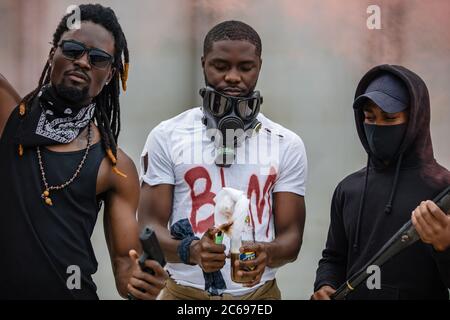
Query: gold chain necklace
46, 194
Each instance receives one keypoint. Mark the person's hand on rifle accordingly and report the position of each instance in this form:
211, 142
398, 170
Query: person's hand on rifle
142, 285
206, 253
324, 293
432, 225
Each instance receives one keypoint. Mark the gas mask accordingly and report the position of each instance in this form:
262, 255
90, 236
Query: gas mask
229, 121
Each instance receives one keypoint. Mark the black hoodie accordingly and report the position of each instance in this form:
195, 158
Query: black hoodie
370, 205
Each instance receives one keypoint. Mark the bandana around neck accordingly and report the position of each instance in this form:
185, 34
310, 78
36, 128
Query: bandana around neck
53, 121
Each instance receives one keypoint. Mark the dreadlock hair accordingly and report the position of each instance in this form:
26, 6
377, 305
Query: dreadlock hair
107, 110
232, 30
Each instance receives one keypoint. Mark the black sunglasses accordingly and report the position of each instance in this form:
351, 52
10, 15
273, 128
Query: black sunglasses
220, 104
98, 58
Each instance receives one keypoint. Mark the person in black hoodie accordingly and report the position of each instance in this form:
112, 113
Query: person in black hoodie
392, 114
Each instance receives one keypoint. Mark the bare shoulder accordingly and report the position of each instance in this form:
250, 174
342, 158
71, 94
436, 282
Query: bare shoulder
126, 164
124, 180
9, 99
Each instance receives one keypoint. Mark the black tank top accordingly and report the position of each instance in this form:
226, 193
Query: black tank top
41, 246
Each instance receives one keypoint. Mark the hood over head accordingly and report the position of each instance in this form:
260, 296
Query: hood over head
416, 149
416, 146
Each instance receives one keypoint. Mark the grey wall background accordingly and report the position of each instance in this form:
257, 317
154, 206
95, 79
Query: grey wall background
314, 54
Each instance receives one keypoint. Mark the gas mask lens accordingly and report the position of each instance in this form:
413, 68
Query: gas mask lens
218, 104
248, 107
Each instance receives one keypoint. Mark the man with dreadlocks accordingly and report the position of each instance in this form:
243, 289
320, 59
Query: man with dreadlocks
182, 190
59, 160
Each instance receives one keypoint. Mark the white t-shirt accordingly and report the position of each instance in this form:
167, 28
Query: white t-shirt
180, 153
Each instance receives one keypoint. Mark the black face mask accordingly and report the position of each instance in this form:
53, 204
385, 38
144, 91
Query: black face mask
384, 141
225, 114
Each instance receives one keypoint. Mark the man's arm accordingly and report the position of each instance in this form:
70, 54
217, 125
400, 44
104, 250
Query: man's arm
289, 215
433, 227
155, 208
9, 99
121, 232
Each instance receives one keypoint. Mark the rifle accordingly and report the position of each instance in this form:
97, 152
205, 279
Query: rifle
406, 236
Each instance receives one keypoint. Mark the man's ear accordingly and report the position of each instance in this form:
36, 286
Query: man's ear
203, 62
51, 55
260, 64
111, 74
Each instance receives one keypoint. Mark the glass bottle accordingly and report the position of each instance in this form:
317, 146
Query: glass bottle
247, 236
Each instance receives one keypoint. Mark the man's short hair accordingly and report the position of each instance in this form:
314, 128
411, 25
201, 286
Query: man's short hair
232, 30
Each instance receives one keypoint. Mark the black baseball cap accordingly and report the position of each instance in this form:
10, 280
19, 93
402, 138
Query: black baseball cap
388, 92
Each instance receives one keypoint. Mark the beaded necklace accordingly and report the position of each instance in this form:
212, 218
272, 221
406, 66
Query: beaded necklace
46, 194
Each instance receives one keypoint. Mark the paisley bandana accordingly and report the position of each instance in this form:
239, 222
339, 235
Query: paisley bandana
51, 121
64, 130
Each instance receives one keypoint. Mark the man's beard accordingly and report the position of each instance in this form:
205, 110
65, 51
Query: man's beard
72, 95
252, 89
